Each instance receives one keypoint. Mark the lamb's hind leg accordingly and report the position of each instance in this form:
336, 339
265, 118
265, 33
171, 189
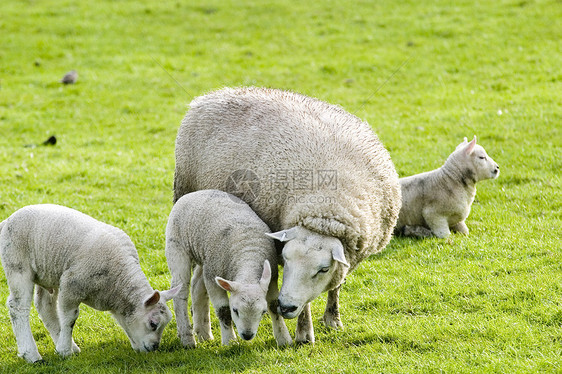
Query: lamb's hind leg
46, 304
332, 312
417, 232
19, 305
200, 306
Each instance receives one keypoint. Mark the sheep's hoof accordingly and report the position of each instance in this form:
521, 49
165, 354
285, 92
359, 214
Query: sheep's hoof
75, 348
33, 358
333, 321
203, 337
64, 353
284, 341
304, 341
188, 341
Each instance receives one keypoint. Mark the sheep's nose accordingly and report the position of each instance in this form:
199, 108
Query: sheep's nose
247, 335
155, 346
286, 309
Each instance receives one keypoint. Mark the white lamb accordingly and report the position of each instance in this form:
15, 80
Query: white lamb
311, 171
223, 238
73, 259
437, 201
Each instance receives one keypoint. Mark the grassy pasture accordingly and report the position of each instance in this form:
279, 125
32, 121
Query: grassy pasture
423, 74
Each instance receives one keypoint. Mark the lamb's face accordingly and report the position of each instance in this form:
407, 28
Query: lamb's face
247, 302
247, 307
483, 165
145, 324
311, 262
144, 328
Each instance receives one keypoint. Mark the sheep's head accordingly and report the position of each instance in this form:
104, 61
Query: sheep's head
476, 160
313, 263
247, 302
144, 325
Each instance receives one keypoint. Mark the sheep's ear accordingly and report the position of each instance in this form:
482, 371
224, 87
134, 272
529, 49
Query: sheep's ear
470, 147
171, 293
338, 253
265, 276
226, 285
152, 300
284, 235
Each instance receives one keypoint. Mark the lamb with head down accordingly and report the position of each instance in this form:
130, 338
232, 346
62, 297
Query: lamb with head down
221, 238
437, 202
70, 258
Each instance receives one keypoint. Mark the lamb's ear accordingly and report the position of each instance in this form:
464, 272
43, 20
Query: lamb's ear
338, 253
470, 147
284, 235
265, 276
152, 300
226, 285
171, 293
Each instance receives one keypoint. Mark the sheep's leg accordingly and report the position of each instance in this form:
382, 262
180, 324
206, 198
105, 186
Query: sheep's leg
437, 223
200, 306
185, 331
179, 264
19, 305
332, 312
46, 304
460, 227
417, 231
305, 331
280, 330
68, 310
219, 298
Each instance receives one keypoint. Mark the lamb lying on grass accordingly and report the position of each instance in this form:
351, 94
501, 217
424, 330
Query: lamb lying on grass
73, 259
226, 240
435, 202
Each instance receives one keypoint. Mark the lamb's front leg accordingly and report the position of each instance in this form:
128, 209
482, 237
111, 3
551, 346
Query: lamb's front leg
332, 312
305, 331
219, 298
19, 305
280, 330
437, 223
460, 227
68, 310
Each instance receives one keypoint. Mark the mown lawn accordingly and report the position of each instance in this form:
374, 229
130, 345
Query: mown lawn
423, 74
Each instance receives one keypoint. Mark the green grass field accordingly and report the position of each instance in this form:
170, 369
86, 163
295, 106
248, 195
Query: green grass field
423, 74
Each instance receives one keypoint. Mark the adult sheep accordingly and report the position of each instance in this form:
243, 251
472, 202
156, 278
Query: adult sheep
310, 170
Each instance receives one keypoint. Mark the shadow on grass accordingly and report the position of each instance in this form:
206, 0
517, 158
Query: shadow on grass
171, 357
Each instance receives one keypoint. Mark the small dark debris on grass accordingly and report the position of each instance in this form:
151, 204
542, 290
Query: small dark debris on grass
51, 141
70, 77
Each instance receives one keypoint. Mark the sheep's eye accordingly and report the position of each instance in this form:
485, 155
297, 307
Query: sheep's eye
235, 311
323, 270
482, 157
153, 325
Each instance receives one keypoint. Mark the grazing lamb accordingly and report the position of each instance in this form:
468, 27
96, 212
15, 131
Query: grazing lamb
224, 239
310, 170
437, 201
73, 259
